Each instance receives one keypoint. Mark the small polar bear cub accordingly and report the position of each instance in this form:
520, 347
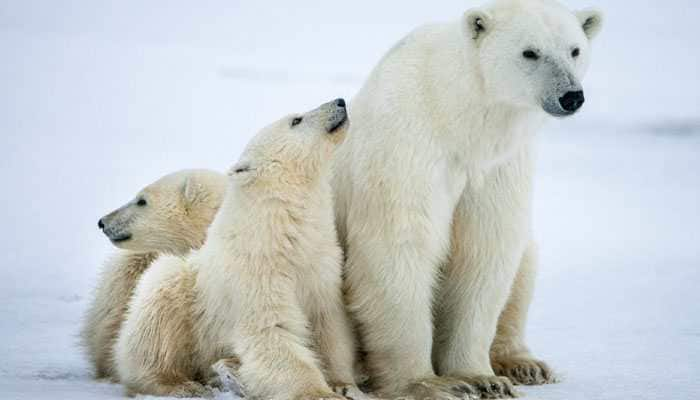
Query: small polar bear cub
266, 285
169, 216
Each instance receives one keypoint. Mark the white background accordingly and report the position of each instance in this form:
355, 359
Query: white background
99, 98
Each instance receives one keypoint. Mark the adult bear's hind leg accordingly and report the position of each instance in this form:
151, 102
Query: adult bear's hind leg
510, 355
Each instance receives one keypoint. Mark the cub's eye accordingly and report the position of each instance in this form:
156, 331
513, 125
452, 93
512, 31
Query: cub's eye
575, 52
141, 203
530, 55
296, 121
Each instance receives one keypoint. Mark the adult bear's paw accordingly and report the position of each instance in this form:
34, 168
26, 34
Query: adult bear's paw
524, 370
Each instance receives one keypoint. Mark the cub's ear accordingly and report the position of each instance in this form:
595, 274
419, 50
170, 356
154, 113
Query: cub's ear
192, 191
591, 21
242, 172
476, 23
240, 168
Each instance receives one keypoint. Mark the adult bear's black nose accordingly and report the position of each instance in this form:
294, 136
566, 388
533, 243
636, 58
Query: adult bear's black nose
100, 224
572, 101
340, 102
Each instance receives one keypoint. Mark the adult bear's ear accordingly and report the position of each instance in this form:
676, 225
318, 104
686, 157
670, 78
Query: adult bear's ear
476, 23
591, 21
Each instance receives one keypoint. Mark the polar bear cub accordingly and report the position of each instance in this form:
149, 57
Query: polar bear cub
266, 285
169, 216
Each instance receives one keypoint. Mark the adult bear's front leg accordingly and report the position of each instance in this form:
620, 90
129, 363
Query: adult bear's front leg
390, 274
490, 231
390, 293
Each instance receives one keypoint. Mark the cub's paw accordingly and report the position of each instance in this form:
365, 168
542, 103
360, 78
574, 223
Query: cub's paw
348, 391
524, 370
195, 389
491, 386
441, 388
185, 389
224, 375
320, 395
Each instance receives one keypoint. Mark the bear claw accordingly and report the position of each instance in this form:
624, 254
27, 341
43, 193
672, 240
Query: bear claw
491, 386
524, 370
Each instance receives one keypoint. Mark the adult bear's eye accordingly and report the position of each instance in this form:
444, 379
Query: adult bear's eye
530, 55
575, 52
296, 121
141, 203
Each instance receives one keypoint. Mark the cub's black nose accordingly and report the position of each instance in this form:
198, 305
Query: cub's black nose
100, 224
572, 101
340, 102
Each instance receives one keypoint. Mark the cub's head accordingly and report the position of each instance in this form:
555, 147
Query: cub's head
170, 215
293, 154
532, 53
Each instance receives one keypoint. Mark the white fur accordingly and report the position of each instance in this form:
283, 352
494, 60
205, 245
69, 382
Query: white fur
433, 189
266, 285
180, 207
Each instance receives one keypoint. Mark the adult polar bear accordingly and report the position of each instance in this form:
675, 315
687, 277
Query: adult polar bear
433, 191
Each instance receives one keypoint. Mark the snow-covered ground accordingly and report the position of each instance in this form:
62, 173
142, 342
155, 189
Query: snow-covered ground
100, 98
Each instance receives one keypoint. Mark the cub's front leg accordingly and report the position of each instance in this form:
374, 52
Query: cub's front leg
332, 331
272, 339
155, 351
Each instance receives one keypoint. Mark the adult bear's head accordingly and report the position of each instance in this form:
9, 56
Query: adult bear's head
532, 53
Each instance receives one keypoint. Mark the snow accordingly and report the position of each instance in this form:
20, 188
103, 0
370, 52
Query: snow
100, 98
